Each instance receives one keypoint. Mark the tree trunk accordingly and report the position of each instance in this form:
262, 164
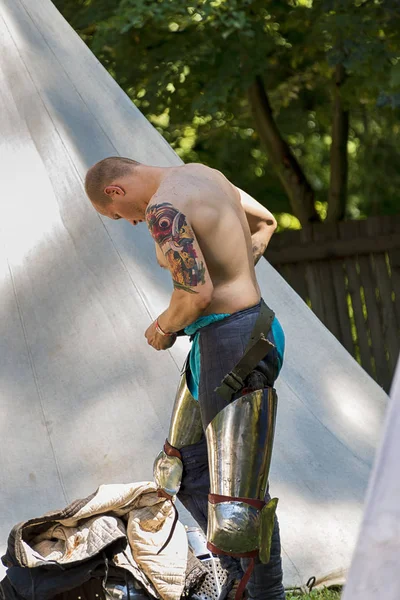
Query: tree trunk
337, 198
299, 191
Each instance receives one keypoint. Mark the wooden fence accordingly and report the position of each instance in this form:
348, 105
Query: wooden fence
349, 275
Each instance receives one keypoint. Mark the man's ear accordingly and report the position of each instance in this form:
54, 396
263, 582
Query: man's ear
114, 189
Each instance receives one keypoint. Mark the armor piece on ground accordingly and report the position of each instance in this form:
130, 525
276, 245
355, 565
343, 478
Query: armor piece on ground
196, 573
240, 440
185, 429
216, 577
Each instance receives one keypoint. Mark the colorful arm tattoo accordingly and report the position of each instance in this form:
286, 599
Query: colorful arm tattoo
175, 237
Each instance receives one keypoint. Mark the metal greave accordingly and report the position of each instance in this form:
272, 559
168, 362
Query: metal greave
240, 440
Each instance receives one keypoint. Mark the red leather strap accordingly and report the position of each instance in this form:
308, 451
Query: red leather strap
171, 533
217, 499
171, 450
244, 581
163, 494
216, 550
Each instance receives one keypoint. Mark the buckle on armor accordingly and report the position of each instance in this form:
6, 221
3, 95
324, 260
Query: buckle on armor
233, 381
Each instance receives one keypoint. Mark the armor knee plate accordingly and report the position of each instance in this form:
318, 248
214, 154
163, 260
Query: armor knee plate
240, 440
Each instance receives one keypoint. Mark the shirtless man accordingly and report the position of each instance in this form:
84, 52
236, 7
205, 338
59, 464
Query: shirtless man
210, 234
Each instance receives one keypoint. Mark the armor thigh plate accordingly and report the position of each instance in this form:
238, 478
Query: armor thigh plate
185, 429
240, 440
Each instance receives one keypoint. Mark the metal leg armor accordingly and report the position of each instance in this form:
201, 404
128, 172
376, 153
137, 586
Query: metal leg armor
185, 429
240, 440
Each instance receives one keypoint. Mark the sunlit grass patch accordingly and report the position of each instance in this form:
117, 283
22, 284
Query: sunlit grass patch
324, 594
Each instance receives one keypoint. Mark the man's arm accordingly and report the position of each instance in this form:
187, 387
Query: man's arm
160, 257
183, 257
261, 221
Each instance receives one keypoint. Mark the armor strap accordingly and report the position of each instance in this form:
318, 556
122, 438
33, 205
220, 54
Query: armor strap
257, 348
217, 498
171, 533
171, 450
216, 550
245, 580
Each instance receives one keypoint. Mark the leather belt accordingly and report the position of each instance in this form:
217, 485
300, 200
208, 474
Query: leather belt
257, 348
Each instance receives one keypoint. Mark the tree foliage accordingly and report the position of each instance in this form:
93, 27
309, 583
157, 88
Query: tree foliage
189, 67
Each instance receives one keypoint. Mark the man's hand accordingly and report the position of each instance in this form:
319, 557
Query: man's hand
157, 340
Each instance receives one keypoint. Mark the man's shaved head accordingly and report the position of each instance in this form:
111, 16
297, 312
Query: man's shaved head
104, 173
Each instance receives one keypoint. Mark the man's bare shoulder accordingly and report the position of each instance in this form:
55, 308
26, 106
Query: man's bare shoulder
206, 173
193, 186
192, 177
186, 202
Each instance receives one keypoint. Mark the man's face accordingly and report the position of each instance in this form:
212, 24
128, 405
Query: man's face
123, 205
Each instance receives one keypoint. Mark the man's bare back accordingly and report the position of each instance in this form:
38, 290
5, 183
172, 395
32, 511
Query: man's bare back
212, 206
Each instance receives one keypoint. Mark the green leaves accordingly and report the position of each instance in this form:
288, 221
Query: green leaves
188, 65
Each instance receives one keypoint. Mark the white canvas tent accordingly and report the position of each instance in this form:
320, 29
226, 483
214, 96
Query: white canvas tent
83, 399
375, 569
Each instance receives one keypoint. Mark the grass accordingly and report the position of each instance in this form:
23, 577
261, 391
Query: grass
324, 594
